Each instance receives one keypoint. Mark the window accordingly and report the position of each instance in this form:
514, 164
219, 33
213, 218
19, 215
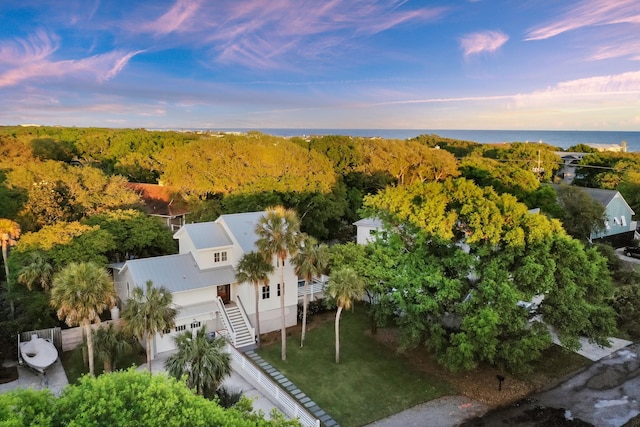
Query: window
278, 289
166, 331
623, 220
615, 220
372, 232
220, 256
181, 328
265, 292
196, 325
301, 283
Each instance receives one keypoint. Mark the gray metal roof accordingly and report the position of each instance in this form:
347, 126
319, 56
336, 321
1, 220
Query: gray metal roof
602, 196
178, 273
243, 228
369, 222
207, 235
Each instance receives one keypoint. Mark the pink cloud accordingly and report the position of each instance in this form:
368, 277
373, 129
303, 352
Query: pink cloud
265, 34
485, 41
178, 18
588, 13
31, 59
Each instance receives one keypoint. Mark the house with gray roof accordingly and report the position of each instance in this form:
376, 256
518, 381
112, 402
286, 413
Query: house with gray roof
201, 278
619, 228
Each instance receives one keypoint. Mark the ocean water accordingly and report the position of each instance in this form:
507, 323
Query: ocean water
563, 139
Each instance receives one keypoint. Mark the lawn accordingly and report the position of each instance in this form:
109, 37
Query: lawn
371, 381
75, 367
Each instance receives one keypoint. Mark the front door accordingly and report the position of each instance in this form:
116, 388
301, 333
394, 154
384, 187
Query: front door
224, 292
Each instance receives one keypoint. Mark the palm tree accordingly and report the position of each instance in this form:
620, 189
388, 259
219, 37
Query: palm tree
81, 291
310, 262
38, 271
9, 233
278, 234
344, 286
201, 359
148, 312
254, 269
110, 344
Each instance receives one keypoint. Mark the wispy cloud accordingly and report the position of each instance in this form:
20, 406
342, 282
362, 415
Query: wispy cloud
485, 41
589, 13
263, 34
32, 58
630, 49
179, 18
596, 87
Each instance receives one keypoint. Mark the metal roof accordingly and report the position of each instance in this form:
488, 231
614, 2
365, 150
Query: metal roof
369, 222
207, 235
243, 228
178, 273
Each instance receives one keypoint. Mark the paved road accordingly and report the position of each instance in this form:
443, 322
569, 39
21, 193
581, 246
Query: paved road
607, 394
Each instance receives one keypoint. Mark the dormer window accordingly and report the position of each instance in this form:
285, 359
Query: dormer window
220, 256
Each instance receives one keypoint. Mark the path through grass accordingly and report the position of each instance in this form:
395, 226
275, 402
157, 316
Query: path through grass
371, 381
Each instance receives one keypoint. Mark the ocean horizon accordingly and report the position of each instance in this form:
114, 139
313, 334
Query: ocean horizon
559, 138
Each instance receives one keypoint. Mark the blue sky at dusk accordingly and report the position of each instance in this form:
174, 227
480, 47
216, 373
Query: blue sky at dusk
483, 64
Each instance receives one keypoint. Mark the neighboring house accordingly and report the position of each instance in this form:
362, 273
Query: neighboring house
619, 228
202, 281
162, 202
570, 161
367, 230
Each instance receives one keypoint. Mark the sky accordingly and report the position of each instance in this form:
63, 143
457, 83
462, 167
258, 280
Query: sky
319, 64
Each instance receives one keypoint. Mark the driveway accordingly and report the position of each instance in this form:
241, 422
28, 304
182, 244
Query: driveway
55, 380
607, 394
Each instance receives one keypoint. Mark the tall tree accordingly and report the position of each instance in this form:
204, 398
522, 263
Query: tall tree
345, 286
201, 359
278, 234
149, 311
81, 291
582, 214
110, 344
310, 262
253, 268
9, 233
38, 271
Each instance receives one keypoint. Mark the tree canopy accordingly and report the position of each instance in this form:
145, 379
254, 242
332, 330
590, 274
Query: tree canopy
469, 261
126, 398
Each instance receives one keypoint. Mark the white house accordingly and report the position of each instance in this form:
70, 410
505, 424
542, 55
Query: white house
202, 281
367, 229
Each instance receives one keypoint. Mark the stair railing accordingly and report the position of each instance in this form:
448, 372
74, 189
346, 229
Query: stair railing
226, 321
243, 313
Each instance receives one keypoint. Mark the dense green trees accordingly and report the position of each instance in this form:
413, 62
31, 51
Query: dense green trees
581, 215
123, 399
468, 261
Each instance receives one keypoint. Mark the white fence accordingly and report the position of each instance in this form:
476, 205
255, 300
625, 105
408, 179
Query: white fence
271, 389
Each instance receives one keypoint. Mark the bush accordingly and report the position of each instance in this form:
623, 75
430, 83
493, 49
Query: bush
626, 303
9, 330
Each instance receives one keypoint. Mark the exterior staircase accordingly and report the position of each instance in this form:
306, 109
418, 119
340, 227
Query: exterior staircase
244, 337
239, 331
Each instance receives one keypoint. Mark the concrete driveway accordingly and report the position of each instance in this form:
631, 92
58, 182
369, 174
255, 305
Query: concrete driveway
55, 380
607, 394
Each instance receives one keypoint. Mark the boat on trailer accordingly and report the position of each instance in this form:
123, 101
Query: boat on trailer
38, 353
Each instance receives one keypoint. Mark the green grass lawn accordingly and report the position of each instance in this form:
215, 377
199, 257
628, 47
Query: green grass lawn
371, 381
75, 367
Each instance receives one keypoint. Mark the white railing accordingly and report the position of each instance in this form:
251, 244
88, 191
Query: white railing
231, 333
315, 287
243, 313
271, 389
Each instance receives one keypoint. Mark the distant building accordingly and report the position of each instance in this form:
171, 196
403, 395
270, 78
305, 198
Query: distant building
162, 202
